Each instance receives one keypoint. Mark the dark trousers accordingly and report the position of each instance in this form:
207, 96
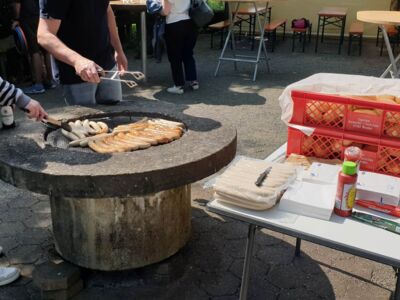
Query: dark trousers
181, 38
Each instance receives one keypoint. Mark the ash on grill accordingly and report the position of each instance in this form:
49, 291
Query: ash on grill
123, 138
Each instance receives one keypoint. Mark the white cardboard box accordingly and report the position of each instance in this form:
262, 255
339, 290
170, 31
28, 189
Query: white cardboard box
322, 173
309, 199
380, 188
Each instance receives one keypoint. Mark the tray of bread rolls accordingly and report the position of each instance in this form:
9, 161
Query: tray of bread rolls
376, 115
378, 154
99, 137
240, 183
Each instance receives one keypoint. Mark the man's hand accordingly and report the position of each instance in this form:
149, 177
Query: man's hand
166, 8
14, 24
87, 70
122, 62
36, 111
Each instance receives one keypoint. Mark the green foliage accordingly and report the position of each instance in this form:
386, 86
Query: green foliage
216, 5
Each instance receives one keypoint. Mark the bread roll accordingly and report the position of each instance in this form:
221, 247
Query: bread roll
371, 112
386, 99
365, 98
394, 153
332, 116
315, 115
347, 143
336, 146
393, 131
393, 167
307, 145
320, 150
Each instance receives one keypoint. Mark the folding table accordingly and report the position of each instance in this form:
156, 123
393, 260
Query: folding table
343, 234
250, 13
383, 18
230, 39
335, 16
140, 6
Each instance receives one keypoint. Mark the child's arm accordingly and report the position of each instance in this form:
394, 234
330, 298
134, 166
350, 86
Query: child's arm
10, 95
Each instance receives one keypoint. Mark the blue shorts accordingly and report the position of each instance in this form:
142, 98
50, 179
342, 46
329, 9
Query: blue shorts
89, 94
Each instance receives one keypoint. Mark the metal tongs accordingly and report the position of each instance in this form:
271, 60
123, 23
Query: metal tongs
115, 76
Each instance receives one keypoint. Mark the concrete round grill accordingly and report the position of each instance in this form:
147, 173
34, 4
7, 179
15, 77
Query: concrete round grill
123, 210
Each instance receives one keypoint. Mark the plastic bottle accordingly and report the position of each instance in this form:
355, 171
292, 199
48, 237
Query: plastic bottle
353, 154
346, 189
7, 117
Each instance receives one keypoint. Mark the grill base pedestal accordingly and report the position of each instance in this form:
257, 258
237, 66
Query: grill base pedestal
113, 234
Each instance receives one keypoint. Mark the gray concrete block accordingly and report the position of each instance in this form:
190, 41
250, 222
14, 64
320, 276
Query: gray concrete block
50, 276
63, 294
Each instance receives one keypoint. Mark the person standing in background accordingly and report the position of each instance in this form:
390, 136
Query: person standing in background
26, 15
180, 37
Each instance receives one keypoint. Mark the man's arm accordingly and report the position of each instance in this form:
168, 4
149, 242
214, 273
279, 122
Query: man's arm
17, 9
120, 57
47, 38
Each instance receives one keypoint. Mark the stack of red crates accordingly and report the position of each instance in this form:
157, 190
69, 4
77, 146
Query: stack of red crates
343, 121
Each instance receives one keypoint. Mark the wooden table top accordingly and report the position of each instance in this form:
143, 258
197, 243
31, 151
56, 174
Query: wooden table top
251, 10
381, 17
333, 12
248, 1
121, 4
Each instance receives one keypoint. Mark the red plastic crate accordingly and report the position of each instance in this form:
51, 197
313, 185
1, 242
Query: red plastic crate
346, 114
378, 154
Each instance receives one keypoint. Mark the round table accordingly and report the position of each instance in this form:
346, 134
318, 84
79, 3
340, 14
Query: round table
384, 18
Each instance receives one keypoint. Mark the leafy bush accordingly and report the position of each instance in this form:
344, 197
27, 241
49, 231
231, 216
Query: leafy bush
216, 5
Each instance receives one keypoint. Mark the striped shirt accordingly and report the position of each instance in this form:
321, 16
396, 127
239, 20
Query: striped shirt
10, 95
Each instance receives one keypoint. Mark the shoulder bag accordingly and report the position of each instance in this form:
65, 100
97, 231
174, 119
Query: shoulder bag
200, 12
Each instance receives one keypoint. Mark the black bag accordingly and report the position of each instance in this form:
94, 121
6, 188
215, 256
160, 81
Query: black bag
200, 12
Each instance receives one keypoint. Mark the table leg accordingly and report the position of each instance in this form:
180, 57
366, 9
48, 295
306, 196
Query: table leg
228, 37
232, 23
342, 34
253, 33
247, 261
317, 39
389, 68
261, 46
324, 19
396, 295
393, 64
298, 246
144, 43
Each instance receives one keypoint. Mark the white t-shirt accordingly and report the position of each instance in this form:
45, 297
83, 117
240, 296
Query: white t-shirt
179, 11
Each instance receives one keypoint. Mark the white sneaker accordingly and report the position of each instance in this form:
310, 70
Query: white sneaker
8, 275
195, 85
175, 90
